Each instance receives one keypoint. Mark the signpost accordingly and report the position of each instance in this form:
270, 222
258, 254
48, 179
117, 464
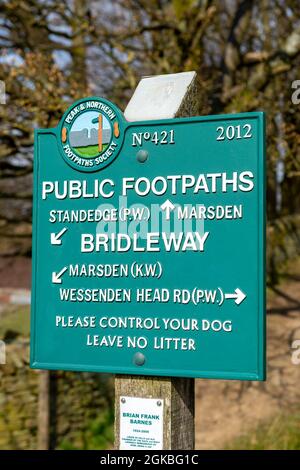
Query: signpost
148, 249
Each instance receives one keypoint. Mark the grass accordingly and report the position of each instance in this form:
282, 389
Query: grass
15, 319
280, 433
90, 150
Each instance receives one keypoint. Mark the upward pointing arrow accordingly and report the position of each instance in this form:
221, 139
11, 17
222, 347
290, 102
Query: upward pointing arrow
239, 296
167, 206
55, 237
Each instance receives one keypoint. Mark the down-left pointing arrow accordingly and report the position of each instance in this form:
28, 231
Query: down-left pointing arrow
56, 277
55, 237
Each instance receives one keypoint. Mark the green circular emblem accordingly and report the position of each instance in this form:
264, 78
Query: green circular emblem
91, 134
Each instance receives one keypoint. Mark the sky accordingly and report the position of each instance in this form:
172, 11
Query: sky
84, 121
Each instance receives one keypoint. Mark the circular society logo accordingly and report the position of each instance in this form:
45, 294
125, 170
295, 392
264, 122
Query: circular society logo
90, 134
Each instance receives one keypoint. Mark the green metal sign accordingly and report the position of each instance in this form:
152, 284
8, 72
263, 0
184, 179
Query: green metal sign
149, 245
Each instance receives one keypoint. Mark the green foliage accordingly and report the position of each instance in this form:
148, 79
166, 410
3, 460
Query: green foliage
98, 434
66, 445
15, 321
181, 7
280, 433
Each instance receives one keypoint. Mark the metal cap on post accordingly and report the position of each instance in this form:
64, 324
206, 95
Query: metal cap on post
163, 97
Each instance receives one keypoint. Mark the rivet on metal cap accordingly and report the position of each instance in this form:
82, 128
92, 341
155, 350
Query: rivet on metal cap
139, 359
142, 156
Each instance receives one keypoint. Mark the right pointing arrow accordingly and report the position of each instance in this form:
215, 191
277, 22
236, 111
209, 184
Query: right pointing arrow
55, 237
239, 296
56, 277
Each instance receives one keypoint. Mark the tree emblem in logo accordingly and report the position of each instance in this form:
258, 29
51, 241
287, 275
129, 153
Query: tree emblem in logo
90, 134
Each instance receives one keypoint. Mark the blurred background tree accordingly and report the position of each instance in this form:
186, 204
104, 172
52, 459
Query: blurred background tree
246, 53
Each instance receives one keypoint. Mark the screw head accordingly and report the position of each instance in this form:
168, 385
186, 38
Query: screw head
158, 403
142, 156
139, 359
123, 400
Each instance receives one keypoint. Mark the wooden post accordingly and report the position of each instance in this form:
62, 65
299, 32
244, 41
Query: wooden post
43, 434
160, 97
100, 132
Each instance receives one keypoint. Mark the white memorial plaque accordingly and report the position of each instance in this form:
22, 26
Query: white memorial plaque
141, 423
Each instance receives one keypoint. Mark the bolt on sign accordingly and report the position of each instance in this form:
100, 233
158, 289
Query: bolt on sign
149, 245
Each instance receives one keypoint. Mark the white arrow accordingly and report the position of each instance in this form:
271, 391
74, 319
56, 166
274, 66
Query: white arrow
56, 277
55, 237
167, 206
239, 296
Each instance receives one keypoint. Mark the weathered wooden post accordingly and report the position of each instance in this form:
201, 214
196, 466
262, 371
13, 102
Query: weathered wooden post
161, 97
43, 434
